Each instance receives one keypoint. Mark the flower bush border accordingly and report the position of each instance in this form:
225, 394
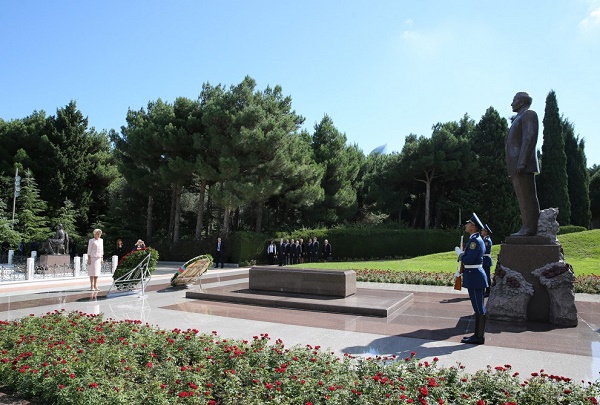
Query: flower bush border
65, 358
583, 284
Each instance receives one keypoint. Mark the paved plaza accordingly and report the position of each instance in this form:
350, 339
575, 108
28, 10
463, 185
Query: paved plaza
431, 325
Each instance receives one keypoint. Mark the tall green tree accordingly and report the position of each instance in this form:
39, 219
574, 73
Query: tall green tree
578, 175
66, 217
438, 158
32, 224
140, 156
342, 164
552, 182
68, 159
497, 204
594, 173
254, 147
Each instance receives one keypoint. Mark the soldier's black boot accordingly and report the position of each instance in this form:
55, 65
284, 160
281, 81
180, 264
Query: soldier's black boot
467, 339
479, 337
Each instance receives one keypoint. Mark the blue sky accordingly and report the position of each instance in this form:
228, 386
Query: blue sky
381, 69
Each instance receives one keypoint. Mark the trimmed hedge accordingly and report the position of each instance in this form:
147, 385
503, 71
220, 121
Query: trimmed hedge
348, 243
563, 230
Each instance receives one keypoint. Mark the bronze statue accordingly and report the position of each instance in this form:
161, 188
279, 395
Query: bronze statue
53, 245
522, 163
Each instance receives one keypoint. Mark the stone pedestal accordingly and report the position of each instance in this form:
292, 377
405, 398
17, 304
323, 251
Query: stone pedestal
535, 259
55, 260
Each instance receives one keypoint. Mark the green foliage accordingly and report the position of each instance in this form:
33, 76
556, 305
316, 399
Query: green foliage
552, 182
32, 223
133, 258
579, 178
342, 164
595, 196
581, 249
66, 217
571, 228
445, 158
246, 246
68, 161
494, 198
7, 233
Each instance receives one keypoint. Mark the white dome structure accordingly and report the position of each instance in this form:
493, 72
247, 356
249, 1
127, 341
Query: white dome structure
380, 150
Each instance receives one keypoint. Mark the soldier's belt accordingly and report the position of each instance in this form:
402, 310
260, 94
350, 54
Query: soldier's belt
472, 266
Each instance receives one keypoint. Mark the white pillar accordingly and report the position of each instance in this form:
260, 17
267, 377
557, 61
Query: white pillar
84, 259
11, 255
77, 266
30, 268
115, 262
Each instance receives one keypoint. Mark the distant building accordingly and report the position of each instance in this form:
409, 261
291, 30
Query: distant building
380, 150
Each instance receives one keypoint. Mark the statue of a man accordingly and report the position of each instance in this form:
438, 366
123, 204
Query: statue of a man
522, 163
53, 245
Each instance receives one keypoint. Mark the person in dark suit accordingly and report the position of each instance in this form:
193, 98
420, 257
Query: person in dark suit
487, 256
219, 253
521, 162
327, 251
281, 252
309, 250
474, 278
315, 250
296, 252
288, 251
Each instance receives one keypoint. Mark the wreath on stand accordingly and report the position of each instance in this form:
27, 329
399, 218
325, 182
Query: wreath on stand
191, 270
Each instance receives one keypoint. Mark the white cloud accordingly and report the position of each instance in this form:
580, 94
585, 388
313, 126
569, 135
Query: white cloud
591, 23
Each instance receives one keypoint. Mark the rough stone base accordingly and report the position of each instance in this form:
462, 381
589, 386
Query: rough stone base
548, 303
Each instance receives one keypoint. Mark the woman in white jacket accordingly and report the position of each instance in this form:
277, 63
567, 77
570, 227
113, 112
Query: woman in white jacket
95, 258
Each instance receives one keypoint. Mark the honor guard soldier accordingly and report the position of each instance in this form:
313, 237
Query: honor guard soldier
474, 279
487, 256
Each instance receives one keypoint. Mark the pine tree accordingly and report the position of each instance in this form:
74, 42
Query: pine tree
32, 224
552, 183
342, 164
579, 177
67, 217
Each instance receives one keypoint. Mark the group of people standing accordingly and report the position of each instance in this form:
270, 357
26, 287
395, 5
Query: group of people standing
292, 251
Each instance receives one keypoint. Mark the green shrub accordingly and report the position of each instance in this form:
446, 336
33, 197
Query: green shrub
571, 229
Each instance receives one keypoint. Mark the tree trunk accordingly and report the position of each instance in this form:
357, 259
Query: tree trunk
177, 224
427, 200
200, 218
172, 215
149, 219
259, 216
226, 220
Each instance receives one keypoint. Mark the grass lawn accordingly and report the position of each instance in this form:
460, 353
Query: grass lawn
582, 251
